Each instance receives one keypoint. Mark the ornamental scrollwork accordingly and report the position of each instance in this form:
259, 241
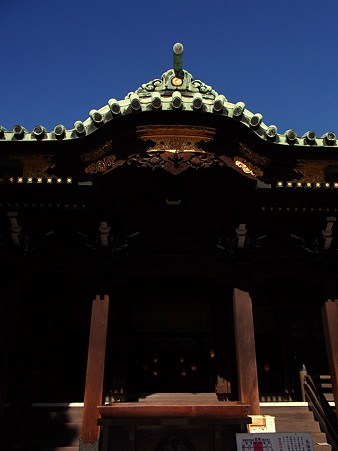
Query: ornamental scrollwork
99, 160
101, 166
166, 83
247, 167
97, 153
175, 143
175, 139
203, 88
175, 162
150, 86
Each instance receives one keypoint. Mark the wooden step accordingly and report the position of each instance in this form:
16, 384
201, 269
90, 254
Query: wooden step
181, 398
326, 386
49, 448
57, 428
297, 419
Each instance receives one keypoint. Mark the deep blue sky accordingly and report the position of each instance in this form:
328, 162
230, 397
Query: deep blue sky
60, 59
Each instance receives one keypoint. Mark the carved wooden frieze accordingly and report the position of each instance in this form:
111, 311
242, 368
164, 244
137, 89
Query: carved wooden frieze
313, 171
35, 165
175, 149
101, 165
175, 162
101, 159
175, 138
97, 153
254, 157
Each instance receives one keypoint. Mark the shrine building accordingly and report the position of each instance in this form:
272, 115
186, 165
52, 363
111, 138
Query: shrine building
171, 242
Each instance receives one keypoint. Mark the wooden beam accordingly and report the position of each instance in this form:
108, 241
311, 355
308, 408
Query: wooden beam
245, 351
330, 324
93, 397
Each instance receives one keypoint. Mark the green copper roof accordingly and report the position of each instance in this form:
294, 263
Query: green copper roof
175, 90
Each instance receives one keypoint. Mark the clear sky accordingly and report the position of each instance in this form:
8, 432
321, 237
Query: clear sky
60, 59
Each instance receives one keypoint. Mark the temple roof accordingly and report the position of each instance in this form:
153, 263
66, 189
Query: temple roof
176, 90
241, 188
174, 123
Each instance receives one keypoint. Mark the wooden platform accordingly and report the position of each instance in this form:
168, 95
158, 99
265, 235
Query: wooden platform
193, 422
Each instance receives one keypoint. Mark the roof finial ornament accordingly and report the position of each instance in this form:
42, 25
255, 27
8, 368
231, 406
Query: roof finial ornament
178, 52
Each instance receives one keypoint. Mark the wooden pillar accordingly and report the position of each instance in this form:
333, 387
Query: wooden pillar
90, 432
245, 351
330, 324
14, 345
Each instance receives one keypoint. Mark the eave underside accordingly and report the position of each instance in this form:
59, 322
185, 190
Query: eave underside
211, 224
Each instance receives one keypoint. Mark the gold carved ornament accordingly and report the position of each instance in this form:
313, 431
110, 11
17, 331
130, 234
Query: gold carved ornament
313, 171
175, 148
101, 159
247, 167
35, 165
179, 138
102, 165
175, 162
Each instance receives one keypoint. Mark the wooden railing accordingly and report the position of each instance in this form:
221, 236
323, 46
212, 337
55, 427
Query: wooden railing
323, 412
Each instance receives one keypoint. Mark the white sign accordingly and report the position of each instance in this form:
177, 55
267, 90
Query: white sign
281, 441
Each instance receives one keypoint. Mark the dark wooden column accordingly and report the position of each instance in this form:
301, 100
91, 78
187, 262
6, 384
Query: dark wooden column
93, 397
330, 324
246, 351
9, 308
11, 318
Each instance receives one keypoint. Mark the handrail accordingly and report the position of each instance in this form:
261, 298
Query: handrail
322, 410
